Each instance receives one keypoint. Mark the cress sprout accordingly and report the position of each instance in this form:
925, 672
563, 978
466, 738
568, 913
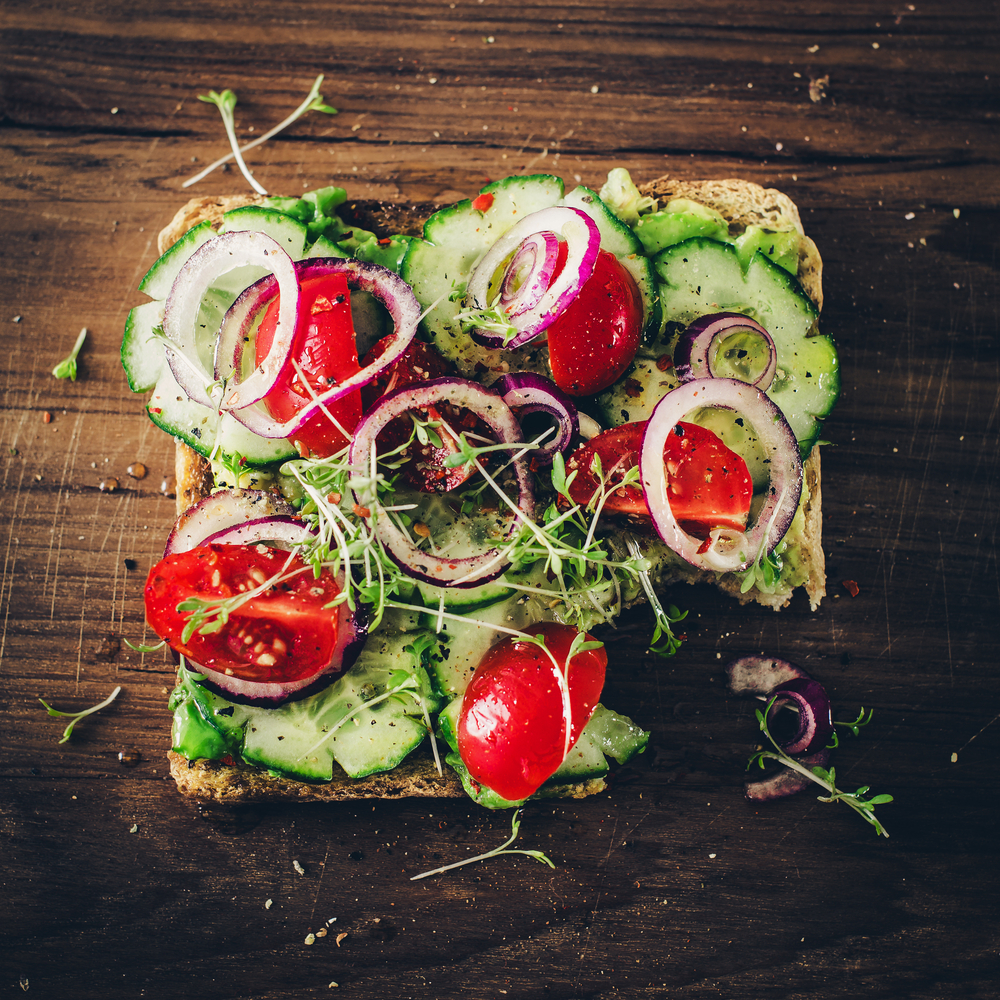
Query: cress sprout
75, 717
67, 367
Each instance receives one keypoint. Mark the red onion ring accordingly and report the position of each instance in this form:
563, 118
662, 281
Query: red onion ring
222, 511
462, 572
693, 353
180, 317
766, 677
815, 720
529, 273
729, 550
526, 392
583, 242
383, 284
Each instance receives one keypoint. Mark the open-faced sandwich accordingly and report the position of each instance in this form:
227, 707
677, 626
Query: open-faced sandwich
415, 471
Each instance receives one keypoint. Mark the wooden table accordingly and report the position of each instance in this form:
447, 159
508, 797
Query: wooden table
881, 122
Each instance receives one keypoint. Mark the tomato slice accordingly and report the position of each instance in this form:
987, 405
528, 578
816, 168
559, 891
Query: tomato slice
618, 450
709, 484
426, 470
285, 634
512, 729
324, 348
595, 339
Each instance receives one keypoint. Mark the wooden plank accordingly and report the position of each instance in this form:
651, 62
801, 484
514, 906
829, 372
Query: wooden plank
672, 884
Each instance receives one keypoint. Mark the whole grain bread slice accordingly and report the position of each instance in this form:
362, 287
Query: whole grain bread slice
743, 203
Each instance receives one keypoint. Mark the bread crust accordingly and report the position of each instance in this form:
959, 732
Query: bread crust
743, 203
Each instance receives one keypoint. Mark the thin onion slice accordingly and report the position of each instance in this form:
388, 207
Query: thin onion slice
526, 393
222, 511
693, 355
386, 286
583, 243
529, 273
767, 677
727, 550
180, 317
466, 571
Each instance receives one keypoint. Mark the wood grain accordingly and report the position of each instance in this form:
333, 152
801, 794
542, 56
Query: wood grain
672, 884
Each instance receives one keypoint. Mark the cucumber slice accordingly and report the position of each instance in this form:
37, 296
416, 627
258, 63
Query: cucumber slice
464, 643
201, 428
439, 266
159, 279
290, 233
701, 276
344, 723
142, 356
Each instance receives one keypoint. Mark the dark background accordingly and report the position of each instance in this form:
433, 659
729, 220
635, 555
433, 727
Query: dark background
672, 884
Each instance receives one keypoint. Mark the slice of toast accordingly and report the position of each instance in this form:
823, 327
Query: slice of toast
742, 203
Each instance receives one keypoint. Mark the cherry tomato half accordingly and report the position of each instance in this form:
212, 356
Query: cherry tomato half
595, 339
709, 485
426, 470
285, 634
512, 729
324, 348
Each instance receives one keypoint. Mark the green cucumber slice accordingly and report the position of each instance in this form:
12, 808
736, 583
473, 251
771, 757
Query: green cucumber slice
142, 356
701, 276
159, 279
345, 723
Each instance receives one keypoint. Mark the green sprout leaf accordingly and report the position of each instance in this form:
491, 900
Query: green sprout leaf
67, 367
75, 717
504, 848
826, 779
313, 102
226, 103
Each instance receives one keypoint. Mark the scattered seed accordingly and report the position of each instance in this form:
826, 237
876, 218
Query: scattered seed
46, 417
310, 939
298, 868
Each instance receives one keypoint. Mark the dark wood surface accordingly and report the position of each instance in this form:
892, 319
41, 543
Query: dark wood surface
672, 884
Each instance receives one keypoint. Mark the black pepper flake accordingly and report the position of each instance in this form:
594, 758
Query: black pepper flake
131, 564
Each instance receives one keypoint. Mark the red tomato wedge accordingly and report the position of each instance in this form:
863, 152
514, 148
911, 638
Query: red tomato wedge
709, 484
595, 339
324, 348
285, 634
512, 727
426, 471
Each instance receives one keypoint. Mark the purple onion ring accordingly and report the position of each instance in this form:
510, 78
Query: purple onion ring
180, 317
529, 273
526, 392
786, 682
729, 550
693, 357
463, 572
383, 284
583, 243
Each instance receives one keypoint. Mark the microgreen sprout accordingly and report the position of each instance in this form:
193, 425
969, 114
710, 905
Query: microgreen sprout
313, 102
854, 727
490, 319
226, 103
826, 779
145, 649
67, 367
504, 848
75, 717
